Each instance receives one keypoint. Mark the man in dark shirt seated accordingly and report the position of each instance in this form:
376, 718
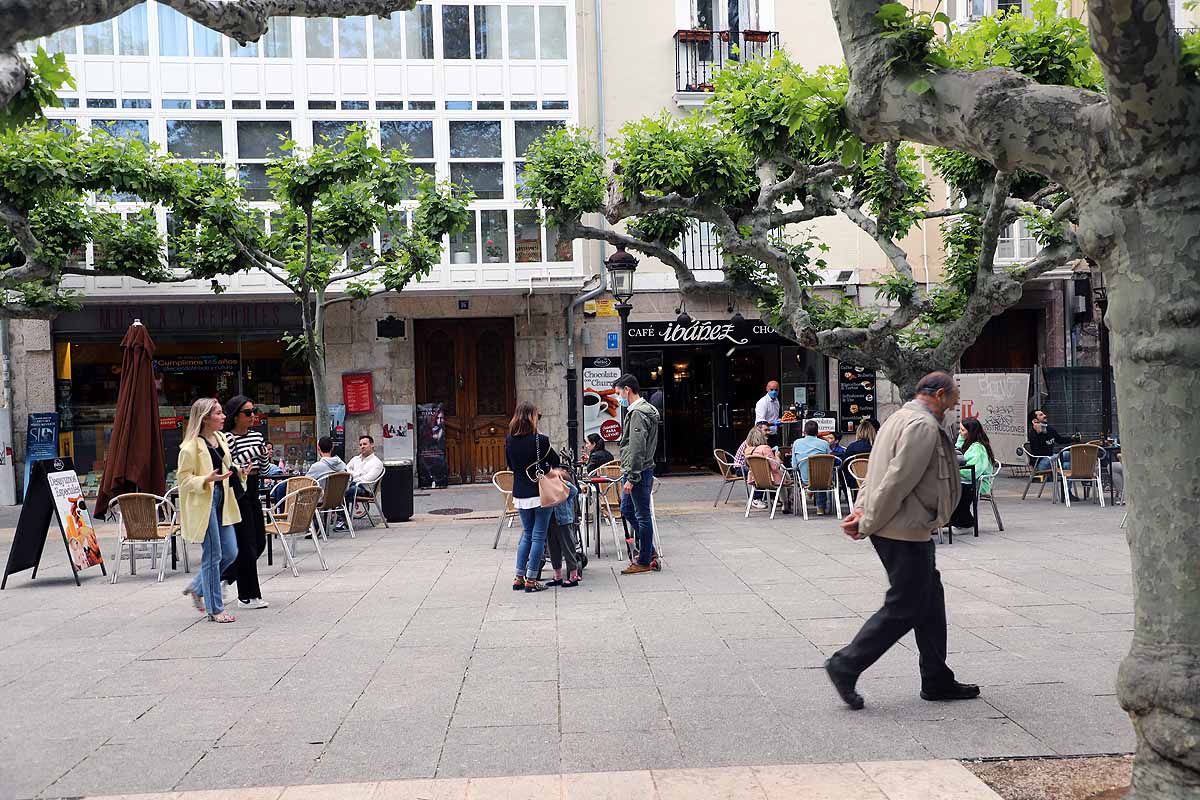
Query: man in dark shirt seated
1042, 438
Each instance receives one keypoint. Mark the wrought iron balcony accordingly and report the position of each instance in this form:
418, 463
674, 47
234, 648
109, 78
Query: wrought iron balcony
700, 54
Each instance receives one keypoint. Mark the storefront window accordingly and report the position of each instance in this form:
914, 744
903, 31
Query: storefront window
803, 378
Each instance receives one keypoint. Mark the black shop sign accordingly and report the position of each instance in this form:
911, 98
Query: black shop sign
702, 332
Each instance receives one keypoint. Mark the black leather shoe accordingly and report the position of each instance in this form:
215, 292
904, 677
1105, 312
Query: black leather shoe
844, 684
951, 691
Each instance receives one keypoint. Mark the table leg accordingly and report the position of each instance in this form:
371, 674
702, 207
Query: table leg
598, 522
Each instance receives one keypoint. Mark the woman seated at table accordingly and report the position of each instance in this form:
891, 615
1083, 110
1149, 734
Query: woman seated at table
864, 440
977, 452
756, 445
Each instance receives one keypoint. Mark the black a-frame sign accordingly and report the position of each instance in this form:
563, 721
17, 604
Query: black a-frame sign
29, 539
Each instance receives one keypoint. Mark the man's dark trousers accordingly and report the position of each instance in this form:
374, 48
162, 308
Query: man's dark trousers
635, 508
914, 602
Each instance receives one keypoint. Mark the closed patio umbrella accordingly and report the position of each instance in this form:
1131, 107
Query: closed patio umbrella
134, 461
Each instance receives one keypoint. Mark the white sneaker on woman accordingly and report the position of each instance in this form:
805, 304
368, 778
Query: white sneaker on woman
758, 504
256, 602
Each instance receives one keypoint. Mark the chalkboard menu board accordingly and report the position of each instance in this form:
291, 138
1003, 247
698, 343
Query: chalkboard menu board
856, 390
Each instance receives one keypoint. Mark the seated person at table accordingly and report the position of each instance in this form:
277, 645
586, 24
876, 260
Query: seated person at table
272, 468
327, 464
739, 458
597, 455
756, 445
365, 468
977, 452
810, 444
1042, 438
864, 439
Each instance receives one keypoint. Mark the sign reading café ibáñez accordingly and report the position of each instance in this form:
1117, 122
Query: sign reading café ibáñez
703, 332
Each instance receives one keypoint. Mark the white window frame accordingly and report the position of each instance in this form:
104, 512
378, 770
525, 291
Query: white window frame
1025, 247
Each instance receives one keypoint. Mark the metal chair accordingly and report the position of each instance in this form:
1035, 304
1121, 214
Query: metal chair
292, 486
298, 519
503, 481
728, 476
760, 474
362, 504
1046, 474
140, 518
989, 496
333, 501
822, 479
856, 467
610, 502
1085, 469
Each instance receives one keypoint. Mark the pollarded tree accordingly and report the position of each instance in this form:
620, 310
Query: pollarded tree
775, 152
1130, 156
31, 269
330, 203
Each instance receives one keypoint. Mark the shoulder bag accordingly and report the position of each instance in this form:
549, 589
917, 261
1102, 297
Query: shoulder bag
552, 490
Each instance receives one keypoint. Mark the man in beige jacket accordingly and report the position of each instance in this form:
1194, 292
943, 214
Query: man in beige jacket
911, 489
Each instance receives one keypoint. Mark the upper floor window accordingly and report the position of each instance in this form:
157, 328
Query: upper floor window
722, 15
1016, 244
404, 35
964, 10
336, 38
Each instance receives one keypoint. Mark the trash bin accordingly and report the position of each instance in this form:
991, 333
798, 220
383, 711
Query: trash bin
397, 489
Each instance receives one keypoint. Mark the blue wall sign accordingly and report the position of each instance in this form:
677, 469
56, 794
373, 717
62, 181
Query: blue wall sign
614, 342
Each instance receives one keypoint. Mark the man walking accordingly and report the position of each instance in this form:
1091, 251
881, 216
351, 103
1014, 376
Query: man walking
912, 487
767, 409
639, 440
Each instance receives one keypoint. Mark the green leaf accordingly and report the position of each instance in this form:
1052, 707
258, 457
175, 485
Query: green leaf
920, 86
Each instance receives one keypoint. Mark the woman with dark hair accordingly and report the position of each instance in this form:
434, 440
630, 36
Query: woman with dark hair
597, 455
529, 454
249, 449
977, 452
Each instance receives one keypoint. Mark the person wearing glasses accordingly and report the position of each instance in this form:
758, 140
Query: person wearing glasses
248, 448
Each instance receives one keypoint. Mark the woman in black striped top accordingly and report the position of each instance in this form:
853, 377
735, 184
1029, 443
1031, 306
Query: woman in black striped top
247, 447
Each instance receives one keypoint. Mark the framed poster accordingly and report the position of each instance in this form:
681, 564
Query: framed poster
397, 434
41, 440
358, 392
433, 471
856, 395
601, 413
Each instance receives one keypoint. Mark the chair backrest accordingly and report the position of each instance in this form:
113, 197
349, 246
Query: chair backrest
724, 462
821, 472
857, 467
503, 481
302, 508
1085, 459
759, 468
612, 488
139, 514
294, 485
335, 485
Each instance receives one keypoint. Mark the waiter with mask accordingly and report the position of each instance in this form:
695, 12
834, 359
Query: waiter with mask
767, 410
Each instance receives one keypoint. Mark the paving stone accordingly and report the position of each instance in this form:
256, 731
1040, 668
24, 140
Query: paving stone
259, 764
508, 750
507, 703
129, 768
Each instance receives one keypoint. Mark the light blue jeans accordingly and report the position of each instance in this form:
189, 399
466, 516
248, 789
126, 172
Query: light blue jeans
219, 551
532, 548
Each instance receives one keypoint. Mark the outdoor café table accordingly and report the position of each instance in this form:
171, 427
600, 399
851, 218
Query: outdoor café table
599, 483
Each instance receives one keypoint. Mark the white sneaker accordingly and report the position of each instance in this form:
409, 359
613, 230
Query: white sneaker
257, 602
758, 504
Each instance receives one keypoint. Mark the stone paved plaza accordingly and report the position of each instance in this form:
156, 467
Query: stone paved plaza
412, 658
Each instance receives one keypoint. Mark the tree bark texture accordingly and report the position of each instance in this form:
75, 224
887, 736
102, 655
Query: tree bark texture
1131, 158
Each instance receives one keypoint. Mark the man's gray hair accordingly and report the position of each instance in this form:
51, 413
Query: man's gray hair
935, 382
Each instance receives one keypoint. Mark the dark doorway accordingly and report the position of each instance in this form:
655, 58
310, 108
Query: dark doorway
688, 401
1008, 341
468, 365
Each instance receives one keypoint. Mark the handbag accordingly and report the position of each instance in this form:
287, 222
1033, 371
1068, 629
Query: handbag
552, 489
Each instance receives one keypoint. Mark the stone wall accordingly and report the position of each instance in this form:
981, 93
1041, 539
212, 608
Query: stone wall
31, 358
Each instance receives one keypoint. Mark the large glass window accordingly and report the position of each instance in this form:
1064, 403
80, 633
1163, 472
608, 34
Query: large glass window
98, 39
553, 32
494, 225
472, 139
456, 32
277, 41
528, 238
418, 32
387, 35
61, 42
124, 128
172, 32
258, 142
248, 50
464, 247
489, 33
331, 133
352, 37
486, 180
558, 249
207, 41
417, 137
195, 139
133, 31
318, 37
521, 33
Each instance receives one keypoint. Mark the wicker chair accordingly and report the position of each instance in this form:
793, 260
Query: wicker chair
362, 503
142, 523
759, 470
298, 520
333, 502
856, 468
503, 481
294, 485
728, 477
1085, 469
822, 479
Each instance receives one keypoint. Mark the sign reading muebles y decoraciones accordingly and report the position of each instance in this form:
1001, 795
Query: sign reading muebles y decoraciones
703, 331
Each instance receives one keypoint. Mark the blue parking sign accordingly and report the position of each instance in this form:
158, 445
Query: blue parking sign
614, 342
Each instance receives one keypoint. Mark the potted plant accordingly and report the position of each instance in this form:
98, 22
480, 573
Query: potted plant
697, 35
756, 36
493, 251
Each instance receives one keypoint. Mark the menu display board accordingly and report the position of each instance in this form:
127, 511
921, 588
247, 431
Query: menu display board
358, 392
856, 393
600, 410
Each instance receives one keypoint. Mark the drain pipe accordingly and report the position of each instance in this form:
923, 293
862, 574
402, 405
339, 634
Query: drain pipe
590, 294
8, 475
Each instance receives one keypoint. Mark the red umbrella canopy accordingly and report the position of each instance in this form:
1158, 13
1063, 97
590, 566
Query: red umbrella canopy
134, 460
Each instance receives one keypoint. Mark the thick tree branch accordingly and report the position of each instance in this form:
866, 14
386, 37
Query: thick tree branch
1138, 49
895, 254
14, 74
33, 269
22, 311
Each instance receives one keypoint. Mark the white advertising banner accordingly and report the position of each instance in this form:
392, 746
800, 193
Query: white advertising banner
1000, 401
397, 433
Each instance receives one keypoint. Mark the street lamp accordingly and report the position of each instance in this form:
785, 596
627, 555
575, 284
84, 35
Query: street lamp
621, 267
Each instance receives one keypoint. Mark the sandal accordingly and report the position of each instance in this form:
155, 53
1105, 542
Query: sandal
569, 584
197, 600
518, 584
533, 586
224, 616
556, 582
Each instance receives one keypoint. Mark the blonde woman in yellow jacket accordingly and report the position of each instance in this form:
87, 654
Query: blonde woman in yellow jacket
208, 509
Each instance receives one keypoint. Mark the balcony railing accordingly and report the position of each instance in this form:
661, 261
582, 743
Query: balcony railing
700, 54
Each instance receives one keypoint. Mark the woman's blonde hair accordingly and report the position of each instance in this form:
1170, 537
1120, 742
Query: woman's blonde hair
866, 430
200, 410
755, 438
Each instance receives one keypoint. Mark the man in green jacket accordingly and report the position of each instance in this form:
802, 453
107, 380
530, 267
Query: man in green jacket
912, 487
639, 441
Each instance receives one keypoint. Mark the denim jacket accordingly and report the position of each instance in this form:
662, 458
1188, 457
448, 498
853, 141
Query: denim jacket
564, 512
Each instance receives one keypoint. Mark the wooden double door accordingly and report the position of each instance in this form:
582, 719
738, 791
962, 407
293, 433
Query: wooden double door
468, 365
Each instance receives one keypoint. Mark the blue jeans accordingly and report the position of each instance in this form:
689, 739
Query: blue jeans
532, 548
635, 508
219, 551
1043, 462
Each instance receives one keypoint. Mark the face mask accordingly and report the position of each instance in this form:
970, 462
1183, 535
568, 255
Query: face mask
622, 402
774, 393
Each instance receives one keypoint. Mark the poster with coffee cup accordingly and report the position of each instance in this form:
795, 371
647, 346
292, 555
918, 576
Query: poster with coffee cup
601, 413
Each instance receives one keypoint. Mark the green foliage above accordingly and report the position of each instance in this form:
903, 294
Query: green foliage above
691, 157
896, 197
663, 227
47, 74
565, 175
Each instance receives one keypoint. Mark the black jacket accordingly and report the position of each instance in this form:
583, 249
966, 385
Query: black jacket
523, 451
1042, 444
598, 458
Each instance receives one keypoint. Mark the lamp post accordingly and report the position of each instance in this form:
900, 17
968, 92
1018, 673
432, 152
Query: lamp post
621, 267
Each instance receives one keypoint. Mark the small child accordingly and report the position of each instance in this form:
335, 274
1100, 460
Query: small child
561, 539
